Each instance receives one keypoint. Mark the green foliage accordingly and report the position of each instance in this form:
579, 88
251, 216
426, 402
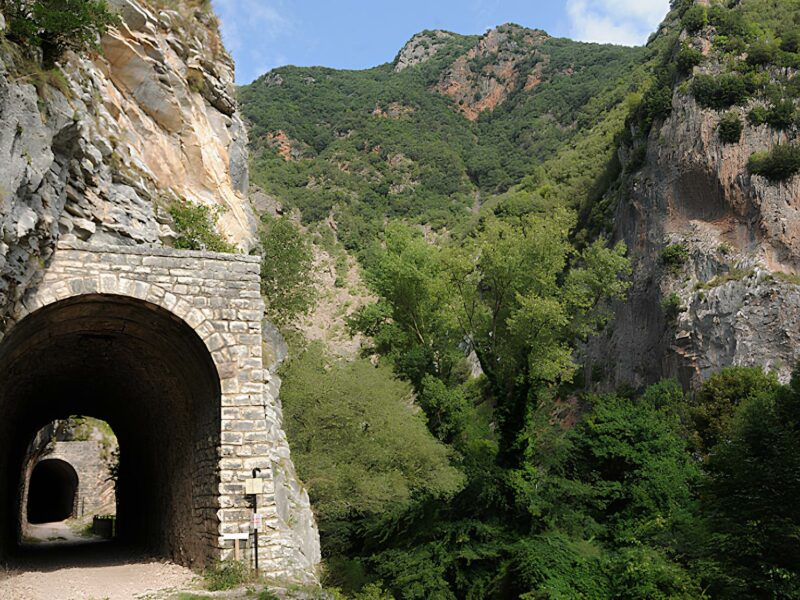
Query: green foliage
672, 306
195, 225
57, 26
688, 58
749, 502
428, 163
715, 403
730, 128
674, 257
286, 270
722, 91
779, 164
695, 18
228, 574
358, 442
757, 115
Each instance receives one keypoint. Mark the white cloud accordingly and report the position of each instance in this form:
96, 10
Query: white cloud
250, 30
627, 22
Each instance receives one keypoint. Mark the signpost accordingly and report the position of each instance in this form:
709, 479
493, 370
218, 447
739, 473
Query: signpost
252, 488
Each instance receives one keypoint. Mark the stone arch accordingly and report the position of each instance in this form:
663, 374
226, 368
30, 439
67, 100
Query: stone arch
113, 285
52, 491
149, 374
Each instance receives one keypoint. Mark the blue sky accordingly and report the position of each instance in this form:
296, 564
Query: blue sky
353, 34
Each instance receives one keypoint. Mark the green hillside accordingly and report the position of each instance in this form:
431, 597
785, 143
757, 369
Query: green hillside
380, 143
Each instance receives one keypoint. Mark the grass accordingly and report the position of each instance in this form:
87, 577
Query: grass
732, 275
787, 277
227, 575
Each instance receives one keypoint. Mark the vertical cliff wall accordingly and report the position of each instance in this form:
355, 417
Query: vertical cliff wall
733, 298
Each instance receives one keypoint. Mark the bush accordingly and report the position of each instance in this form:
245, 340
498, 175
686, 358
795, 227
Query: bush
757, 115
57, 25
195, 226
780, 164
688, 58
721, 92
228, 574
782, 114
695, 18
730, 128
761, 53
674, 256
672, 307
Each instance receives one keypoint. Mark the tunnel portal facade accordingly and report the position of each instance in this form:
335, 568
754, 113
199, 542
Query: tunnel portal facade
166, 346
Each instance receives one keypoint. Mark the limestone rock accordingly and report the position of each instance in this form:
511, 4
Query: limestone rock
420, 48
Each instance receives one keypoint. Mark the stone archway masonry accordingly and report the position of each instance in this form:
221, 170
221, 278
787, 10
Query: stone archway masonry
218, 296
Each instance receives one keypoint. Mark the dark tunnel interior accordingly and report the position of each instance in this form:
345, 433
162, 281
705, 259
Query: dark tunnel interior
150, 377
52, 491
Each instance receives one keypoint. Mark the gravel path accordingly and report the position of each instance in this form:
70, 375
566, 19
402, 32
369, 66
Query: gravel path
90, 571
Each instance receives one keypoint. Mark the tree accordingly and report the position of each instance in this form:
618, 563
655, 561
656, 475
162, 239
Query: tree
523, 296
58, 25
750, 499
287, 280
358, 442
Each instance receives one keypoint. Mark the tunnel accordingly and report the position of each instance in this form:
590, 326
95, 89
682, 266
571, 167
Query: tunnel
52, 491
151, 378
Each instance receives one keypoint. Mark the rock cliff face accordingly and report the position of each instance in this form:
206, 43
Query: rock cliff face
99, 155
734, 299
484, 77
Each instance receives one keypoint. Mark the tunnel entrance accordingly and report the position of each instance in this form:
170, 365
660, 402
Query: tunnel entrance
52, 492
148, 375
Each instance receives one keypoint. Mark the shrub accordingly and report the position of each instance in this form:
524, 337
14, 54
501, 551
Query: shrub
791, 41
761, 53
757, 115
730, 128
721, 92
195, 226
674, 256
695, 18
780, 164
782, 114
688, 58
672, 307
228, 574
57, 25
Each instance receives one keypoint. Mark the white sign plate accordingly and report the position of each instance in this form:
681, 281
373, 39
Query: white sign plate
258, 520
253, 486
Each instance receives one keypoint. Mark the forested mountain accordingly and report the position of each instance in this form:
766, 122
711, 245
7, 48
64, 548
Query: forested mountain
584, 266
454, 120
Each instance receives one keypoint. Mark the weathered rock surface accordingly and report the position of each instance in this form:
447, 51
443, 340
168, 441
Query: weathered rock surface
483, 78
420, 48
742, 233
98, 157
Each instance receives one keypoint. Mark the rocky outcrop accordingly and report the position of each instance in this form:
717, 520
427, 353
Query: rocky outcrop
96, 151
483, 78
734, 299
421, 48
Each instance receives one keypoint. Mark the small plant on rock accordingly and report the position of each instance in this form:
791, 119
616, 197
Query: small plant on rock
674, 256
730, 128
